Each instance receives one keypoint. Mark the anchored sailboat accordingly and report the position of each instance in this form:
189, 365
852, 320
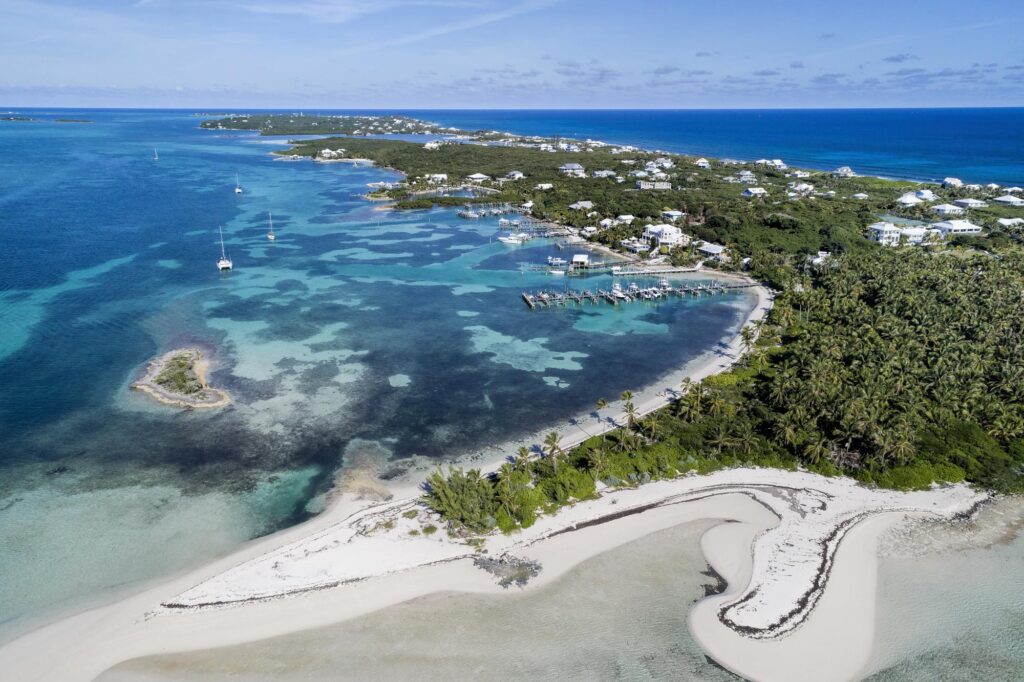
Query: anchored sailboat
270, 235
224, 263
238, 186
156, 157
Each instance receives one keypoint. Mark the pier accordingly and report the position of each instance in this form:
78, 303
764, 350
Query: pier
547, 298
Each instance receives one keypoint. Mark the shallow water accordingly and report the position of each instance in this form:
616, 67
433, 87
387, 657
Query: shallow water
950, 605
357, 333
620, 615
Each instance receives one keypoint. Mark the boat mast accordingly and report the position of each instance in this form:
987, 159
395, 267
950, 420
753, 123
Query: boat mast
220, 229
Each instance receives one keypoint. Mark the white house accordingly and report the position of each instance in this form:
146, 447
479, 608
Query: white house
844, 172
604, 174
1009, 200
607, 222
926, 195
885, 233
432, 146
716, 251
581, 260
478, 177
970, 203
953, 228
515, 175
751, 192
952, 182
672, 215
588, 231
1014, 190
1011, 222
653, 184
702, 163
638, 174
860, 196
573, 170
992, 187
666, 235
582, 206
909, 199
543, 186
437, 178
799, 174
947, 210
625, 219
801, 187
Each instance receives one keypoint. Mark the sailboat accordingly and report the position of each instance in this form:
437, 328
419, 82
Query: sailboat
270, 235
156, 157
224, 263
238, 187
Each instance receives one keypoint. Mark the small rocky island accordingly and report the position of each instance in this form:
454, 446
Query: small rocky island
178, 378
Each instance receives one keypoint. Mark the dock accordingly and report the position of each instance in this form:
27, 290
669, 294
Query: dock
634, 293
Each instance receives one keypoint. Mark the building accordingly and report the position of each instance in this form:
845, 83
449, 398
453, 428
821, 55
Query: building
716, 251
604, 174
666, 235
888, 234
801, 187
752, 192
952, 182
478, 178
672, 215
702, 163
588, 231
1009, 200
844, 172
581, 260
543, 186
625, 219
582, 206
653, 184
572, 170
432, 146
955, 228
970, 203
515, 175
860, 196
909, 199
926, 195
437, 178
947, 210
1011, 222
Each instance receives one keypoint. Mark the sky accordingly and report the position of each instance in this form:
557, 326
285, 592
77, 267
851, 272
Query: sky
452, 54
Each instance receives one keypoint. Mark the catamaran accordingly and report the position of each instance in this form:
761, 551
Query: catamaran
270, 235
238, 186
224, 263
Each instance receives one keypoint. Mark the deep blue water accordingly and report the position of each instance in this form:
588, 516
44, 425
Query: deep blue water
359, 335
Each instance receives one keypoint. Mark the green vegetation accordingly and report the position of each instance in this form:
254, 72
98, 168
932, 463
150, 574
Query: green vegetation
177, 376
888, 366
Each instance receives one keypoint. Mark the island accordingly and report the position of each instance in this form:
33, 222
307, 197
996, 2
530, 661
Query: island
178, 378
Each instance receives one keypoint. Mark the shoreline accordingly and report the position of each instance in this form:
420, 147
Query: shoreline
768, 546
208, 398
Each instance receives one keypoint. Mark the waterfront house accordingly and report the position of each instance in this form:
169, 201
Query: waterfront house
716, 251
952, 183
947, 210
702, 163
543, 186
666, 235
588, 231
1014, 190
1009, 200
970, 203
477, 178
582, 206
752, 192
954, 228
844, 172
634, 245
672, 215
581, 260
992, 187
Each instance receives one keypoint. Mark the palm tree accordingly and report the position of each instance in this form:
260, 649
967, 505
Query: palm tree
522, 459
627, 398
601, 404
553, 444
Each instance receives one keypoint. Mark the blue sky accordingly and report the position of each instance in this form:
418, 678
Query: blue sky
510, 54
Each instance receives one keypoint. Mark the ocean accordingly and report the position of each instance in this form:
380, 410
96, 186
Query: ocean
359, 337
363, 336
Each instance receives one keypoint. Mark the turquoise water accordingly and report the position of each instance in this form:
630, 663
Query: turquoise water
358, 333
